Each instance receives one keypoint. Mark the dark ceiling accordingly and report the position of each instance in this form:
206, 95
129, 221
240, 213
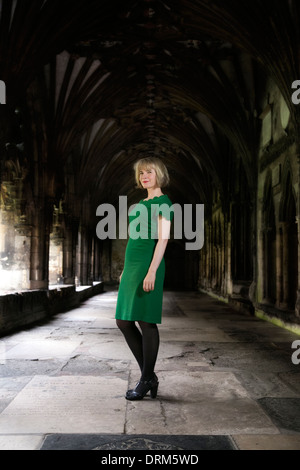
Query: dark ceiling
180, 79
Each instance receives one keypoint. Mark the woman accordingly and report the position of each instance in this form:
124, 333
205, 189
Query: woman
141, 283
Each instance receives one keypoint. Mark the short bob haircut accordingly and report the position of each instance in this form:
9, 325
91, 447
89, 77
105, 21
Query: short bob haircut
149, 163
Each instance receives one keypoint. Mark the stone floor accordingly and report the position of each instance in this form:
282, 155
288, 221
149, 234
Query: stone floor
224, 377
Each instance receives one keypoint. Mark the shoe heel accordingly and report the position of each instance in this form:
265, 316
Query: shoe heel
153, 391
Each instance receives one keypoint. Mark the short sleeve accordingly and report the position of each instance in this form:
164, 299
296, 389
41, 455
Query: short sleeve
166, 209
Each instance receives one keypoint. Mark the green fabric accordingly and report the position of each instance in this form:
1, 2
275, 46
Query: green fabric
134, 303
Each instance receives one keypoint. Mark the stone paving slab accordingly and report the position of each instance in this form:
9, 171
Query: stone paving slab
266, 442
67, 405
192, 334
189, 404
41, 350
21, 442
284, 412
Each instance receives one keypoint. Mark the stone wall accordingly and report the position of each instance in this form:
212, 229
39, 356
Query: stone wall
23, 309
251, 254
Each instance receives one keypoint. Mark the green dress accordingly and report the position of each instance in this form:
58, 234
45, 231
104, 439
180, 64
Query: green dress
134, 304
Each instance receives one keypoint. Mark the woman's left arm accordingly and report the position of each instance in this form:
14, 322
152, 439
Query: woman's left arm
164, 227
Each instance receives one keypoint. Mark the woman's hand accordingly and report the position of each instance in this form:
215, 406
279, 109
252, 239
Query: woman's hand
149, 281
120, 276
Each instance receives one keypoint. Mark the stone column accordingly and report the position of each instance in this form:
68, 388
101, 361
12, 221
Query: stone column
91, 256
279, 267
39, 254
97, 260
285, 270
228, 258
69, 249
297, 306
81, 258
210, 257
85, 257
261, 266
106, 260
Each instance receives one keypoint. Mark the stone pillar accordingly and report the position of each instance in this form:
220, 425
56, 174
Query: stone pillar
210, 256
39, 254
69, 253
285, 270
106, 260
220, 267
68, 274
81, 257
97, 260
260, 268
279, 267
91, 272
85, 256
223, 263
228, 258
297, 306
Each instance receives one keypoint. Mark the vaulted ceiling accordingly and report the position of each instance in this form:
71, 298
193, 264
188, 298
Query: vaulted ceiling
180, 79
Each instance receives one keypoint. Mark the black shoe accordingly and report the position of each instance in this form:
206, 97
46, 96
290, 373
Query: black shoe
142, 388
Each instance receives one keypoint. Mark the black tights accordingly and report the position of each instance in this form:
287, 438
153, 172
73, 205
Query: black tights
143, 344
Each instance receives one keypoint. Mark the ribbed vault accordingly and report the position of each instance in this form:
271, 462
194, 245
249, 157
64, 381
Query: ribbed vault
115, 80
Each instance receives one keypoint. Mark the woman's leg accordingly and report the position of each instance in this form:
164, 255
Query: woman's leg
133, 338
150, 336
144, 346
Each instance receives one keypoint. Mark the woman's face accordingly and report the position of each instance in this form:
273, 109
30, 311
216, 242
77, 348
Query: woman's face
148, 178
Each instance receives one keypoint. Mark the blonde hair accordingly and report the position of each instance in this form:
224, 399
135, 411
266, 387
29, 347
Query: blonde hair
148, 163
